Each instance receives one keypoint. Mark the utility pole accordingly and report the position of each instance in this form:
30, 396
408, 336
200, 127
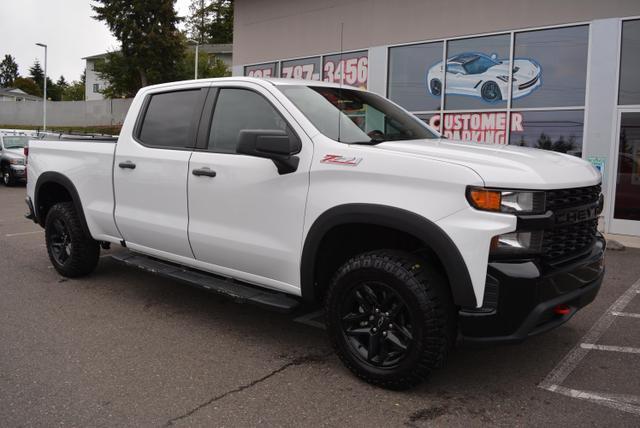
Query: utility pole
44, 105
196, 73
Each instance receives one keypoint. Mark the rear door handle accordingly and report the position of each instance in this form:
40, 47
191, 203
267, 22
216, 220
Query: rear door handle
204, 171
127, 165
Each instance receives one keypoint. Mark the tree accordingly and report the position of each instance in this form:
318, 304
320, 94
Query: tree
28, 85
207, 66
560, 145
151, 48
73, 91
8, 71
210, 21
54, 92
62, 82
122, 77
37, 74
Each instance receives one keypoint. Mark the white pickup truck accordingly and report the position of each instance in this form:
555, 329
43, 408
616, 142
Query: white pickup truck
276, 192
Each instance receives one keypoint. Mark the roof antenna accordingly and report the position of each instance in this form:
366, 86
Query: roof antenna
341, 68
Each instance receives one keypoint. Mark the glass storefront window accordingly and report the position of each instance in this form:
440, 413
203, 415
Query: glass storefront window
627, 198
262, 70
408, 69
557, 130
306, 68
480, 127
629, 92
431, 119
550, 67
351, 67
477, 73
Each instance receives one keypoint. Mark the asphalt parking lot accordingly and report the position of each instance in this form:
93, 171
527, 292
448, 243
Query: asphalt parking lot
123, 347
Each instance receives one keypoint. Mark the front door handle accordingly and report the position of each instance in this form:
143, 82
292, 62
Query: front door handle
127, 165
204, 171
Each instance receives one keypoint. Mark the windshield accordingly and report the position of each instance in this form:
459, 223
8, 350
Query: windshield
479, 65
15, 142
355, 117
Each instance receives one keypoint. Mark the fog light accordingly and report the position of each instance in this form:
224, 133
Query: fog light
517, 243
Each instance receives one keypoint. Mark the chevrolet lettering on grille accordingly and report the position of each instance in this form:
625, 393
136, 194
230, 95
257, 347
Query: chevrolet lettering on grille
575, 215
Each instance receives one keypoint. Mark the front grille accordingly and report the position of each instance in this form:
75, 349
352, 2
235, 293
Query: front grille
566, 240
568, 198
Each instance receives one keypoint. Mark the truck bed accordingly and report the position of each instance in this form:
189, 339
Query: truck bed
88, 163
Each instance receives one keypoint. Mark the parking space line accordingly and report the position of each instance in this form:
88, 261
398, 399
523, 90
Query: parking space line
559, 374
625, 403
610, 348
625, 314
9, 235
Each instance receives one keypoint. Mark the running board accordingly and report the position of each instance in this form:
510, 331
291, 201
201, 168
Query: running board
235, 290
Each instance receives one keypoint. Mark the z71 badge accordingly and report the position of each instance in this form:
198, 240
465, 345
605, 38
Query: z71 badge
341, 160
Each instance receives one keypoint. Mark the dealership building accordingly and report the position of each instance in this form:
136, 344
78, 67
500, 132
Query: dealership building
559, 75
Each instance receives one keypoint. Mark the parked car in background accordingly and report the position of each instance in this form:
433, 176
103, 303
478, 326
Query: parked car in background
483, 76
12, 159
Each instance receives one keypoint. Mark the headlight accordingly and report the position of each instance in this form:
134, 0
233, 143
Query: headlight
517, 243
16, 161
506, 201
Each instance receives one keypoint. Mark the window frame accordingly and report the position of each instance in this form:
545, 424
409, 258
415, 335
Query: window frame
619, 62
509, 108
204, 128
193, 126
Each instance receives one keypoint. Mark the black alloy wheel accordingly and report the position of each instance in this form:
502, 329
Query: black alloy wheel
60, 241
376, 324
491, 92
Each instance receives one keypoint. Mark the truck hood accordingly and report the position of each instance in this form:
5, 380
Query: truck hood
504, 165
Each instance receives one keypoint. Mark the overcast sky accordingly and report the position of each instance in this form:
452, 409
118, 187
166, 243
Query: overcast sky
65, 26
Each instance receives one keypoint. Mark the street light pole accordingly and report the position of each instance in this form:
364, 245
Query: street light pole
197, 43
44, 106
196, 73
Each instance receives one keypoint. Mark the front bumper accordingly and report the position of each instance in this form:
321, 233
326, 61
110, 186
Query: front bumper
522, 296
19, 172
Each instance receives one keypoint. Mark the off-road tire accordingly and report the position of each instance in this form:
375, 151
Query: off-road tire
428, 301
82, 253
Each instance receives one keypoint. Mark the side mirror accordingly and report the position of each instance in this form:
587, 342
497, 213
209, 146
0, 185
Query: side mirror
277, 145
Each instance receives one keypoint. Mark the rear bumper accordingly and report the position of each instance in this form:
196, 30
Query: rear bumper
522, 296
